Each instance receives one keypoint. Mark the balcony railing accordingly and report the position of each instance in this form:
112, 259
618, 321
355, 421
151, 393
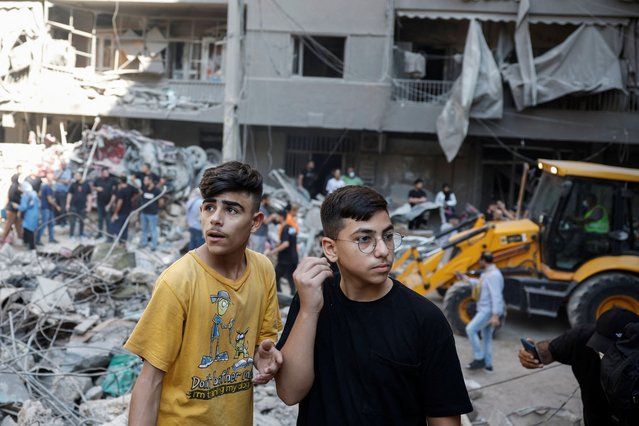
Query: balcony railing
425, 91
199, 91
437, 92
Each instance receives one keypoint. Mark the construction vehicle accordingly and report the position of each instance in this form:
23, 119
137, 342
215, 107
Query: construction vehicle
561, 255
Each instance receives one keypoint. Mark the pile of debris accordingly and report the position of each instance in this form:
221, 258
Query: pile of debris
64, 316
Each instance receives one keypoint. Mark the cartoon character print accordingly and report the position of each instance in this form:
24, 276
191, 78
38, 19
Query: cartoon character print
241, 345
222, 301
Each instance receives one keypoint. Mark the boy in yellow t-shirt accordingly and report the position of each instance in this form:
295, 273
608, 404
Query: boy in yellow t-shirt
212, 317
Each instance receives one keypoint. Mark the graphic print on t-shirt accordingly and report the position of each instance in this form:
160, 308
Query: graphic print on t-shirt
226, 377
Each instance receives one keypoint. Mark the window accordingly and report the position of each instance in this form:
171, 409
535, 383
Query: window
318, 56
180, 49
583, 226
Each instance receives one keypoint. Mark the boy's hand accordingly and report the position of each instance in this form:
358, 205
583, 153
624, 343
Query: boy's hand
268, 361
309, 277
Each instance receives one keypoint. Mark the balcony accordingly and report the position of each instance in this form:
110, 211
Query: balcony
198, 91
437, 92
424, 91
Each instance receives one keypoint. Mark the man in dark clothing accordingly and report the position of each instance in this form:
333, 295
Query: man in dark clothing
417, 195
124, 198
78, 203
105, 186
360, 348
307, 179
48, 206
581, 348
146, 171
286, 250
149, 215
63, 178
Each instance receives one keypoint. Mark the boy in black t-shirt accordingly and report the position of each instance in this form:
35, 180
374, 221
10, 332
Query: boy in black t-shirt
286, 251
360, 348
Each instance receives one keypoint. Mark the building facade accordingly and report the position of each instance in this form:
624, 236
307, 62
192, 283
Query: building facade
359, 83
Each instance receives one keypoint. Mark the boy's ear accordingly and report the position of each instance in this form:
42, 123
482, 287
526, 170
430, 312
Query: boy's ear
258, 219
330, 249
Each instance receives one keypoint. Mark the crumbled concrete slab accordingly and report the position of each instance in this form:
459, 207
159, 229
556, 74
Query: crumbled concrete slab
49, 294
121, 420
94, 393
142, 276
110, 275
12, 389
35, 413
70, 389
82, 357
85, 325
8, 421
119, 259
6, 293
105, 410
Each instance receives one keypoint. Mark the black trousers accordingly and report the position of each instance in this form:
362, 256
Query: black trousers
285, 271
29, 238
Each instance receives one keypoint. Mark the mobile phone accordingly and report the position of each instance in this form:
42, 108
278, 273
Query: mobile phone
530, 348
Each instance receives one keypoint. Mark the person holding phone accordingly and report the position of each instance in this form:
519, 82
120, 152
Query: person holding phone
582, 348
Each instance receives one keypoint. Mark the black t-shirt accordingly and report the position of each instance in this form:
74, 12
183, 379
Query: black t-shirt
141, 175
147, 195
416, 193
309, 180
570, 349
288, 256
391, 361
79, 193
126, 194
108, 185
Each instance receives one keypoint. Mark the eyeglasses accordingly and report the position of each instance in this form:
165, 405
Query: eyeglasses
367, 243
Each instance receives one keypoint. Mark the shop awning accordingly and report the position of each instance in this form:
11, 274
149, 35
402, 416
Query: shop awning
511, 17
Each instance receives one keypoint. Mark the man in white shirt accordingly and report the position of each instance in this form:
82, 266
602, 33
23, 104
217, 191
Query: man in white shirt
447, 199
335, 182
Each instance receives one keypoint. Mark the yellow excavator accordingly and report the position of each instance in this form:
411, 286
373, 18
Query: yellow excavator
577, 248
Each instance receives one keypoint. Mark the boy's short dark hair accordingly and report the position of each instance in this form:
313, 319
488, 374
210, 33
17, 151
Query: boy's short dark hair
122, 179
349, 202
232, 176
418, 180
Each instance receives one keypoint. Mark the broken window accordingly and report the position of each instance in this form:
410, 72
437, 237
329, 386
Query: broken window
180, 49
75, 27
315, 56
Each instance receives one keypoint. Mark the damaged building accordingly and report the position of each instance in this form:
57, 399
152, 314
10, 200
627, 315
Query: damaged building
391, 88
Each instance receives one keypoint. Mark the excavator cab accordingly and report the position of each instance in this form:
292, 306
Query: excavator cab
583, 218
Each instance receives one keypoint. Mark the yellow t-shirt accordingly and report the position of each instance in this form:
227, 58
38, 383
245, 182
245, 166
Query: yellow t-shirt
201, 329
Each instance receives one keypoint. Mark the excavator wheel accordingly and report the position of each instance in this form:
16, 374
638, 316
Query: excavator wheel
459, 307
600, 293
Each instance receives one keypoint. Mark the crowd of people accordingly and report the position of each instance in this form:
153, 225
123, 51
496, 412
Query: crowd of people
39, 203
